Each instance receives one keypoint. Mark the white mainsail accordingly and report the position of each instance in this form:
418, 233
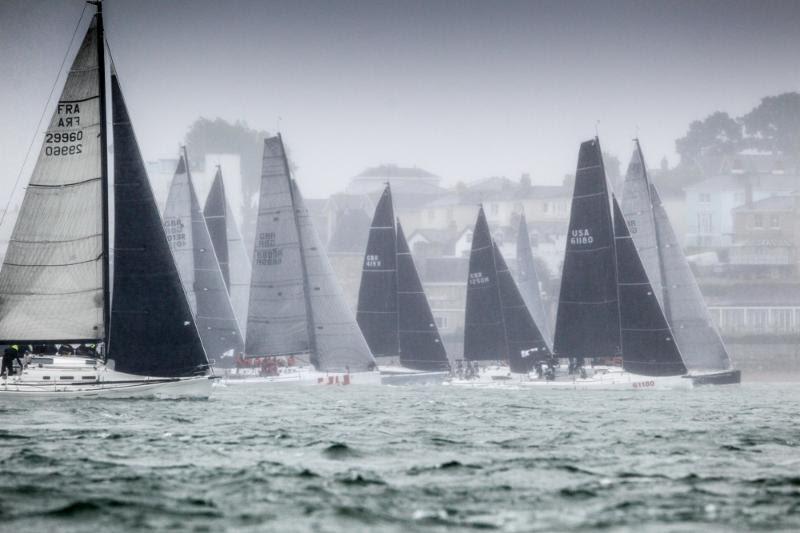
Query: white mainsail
277, 315
339, 344
51, 282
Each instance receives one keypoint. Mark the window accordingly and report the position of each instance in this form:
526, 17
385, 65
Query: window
758, 221
545, 207
704, 223
441, 322
757, 320
704, 197
782, 320
775, 222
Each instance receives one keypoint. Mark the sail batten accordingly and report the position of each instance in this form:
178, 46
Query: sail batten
52, 278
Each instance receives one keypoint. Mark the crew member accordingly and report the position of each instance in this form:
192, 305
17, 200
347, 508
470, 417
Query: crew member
10, 354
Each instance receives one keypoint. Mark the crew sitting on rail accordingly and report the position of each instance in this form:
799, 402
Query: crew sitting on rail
66, 349
89, 350
10, 354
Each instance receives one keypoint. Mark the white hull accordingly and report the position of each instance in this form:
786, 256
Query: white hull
304, 376
63, 377
400, 375
602, 378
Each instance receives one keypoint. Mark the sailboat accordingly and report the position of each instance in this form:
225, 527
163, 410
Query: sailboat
528, 282
393, 311
196, 257
501, 339
55, 283
299, 326
674, 283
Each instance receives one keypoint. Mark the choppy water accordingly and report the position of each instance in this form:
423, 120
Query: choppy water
406, 459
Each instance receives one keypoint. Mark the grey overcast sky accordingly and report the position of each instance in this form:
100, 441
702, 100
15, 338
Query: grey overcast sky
463, 89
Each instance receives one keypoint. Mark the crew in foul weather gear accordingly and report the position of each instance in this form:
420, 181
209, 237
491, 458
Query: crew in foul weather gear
89, 350
66, 349
9, 355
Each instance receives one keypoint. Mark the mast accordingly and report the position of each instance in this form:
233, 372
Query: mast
101, 75
311, 328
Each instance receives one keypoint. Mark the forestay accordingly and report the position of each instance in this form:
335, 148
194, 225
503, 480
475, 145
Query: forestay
51, 282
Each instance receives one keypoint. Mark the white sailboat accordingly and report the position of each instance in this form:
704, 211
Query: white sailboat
55, 285
299, 327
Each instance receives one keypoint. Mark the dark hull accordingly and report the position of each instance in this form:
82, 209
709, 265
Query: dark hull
730, 377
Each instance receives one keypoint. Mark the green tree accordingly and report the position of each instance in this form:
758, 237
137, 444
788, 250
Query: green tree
717, 134
774, 125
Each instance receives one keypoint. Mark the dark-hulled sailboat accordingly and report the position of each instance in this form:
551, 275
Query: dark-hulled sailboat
700, 344
203, 280
393, 311
55, 280
297, 312
498, 327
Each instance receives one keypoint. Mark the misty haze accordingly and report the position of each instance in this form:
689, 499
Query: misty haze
392, 266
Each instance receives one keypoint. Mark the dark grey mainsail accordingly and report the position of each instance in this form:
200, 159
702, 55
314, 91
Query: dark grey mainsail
522, 334
648, 346
191, 245
674, 283
587, 323
52, 279
377, 311
153, 331
528, 282
296, 305
421, 346
277, 320
484, 329
216, 216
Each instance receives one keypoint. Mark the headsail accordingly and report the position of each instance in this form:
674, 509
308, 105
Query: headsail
215, 214
698, 339
338, 344
528, 282
52, 281
587, 323
648, 345
484, 329
421, 345
277, 320
153, 332
239, 269
522, 334
191, 245
377, 296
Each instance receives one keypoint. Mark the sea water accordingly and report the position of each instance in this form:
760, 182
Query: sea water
348, 458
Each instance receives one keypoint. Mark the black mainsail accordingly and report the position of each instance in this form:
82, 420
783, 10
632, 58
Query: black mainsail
153, 331
648, 345
522, 334
192, 248
673, 281
528, 282
377, 311
421, 346
296, 305
587, 323
484, 329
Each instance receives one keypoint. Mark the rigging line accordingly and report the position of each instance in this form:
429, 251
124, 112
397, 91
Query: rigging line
41, 118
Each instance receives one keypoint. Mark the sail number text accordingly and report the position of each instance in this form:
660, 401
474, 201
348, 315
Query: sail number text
478, 278
580, 236
372, 261
267, 253
68, 142
176, 236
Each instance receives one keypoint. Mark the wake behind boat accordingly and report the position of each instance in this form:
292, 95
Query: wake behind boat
55, 283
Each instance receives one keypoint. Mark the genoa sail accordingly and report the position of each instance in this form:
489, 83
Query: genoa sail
51, 282
648, 345
421, 346
191, 245
528, 282
484, 329
526, 345
277, 320
377, 311
239, 269
215, 215
338, 344
587, 322
153, 331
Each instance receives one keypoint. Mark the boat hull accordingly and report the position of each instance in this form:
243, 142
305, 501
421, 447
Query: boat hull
397, 375
729, 377
302, 376
63, 377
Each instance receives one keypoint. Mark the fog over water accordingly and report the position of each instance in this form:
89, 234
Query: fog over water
463, 89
